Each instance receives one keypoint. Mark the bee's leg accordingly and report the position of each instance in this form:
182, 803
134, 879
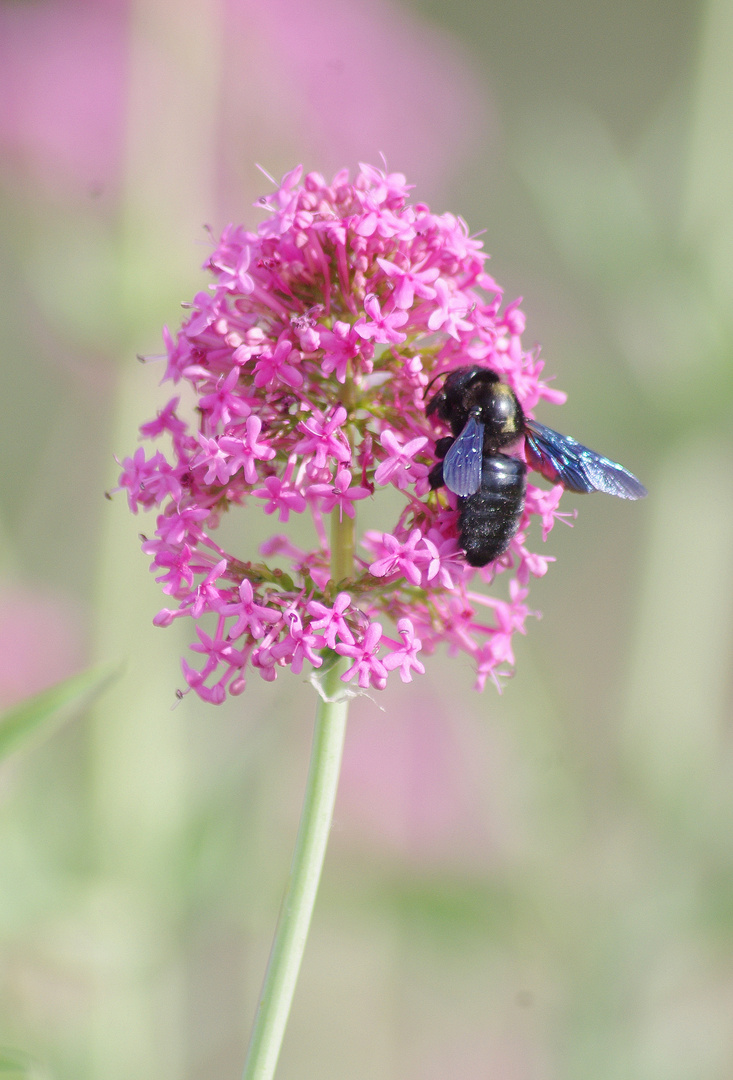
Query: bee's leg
435, 476
443, 445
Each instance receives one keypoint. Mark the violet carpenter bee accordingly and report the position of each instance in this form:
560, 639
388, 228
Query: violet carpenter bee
485, 417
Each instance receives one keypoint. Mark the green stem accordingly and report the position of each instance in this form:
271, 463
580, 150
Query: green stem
310, 847
305, 873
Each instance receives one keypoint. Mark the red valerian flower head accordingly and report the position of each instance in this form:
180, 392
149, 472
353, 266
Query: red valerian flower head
309, 358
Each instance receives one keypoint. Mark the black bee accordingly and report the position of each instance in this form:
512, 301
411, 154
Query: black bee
485, 418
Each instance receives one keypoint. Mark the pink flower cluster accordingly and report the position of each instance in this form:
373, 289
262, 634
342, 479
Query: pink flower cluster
309, 359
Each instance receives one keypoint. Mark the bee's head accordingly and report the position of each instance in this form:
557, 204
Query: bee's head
461, 391
479, 392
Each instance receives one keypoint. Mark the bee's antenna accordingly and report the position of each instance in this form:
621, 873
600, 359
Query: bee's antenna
433, 381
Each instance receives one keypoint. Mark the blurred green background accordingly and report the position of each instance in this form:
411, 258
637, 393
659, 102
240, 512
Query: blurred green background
537, 886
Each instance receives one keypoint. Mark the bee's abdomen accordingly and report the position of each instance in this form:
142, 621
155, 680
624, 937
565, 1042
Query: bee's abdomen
489, 519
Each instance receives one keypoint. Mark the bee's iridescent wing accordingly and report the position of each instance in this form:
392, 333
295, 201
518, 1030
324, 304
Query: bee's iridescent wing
562, 460
462, 463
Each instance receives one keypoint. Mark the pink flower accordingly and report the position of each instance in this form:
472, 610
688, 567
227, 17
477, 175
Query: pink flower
404, 656
148, 482
232, 260
340, 345
399, 468
244, 448
339, 494
205, 311
297, 646
545, 503
214, 459
207, 596
280, 365
331, 620
325, 438
444, 562
450, 312
282, 497
223, 403
410, 282
369, 670
178, 574
251, 618
404, 557
176, 525
309, 359
381, 327
165, 421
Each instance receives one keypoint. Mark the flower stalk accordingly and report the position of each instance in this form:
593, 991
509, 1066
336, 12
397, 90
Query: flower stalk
310, 847
305, 873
